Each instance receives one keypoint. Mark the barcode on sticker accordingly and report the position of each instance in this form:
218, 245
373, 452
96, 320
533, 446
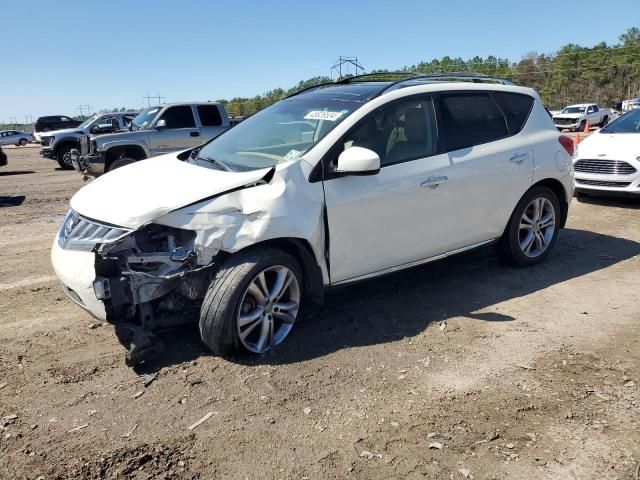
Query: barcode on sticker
323, 115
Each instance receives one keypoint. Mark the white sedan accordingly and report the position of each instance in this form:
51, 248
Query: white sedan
609, 160
15, 137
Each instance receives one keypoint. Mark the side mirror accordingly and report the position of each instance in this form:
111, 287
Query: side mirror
358, 161
162, 123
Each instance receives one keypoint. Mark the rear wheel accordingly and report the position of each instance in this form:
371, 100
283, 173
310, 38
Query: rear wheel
532, 229
64, 157
22, 142
252, 303
605, 121
121, 162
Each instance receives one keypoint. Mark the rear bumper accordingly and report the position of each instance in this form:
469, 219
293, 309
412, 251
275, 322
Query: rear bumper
76, 272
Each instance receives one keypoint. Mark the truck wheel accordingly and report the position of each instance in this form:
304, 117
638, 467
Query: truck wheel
64, 157
532, 229
605, 121
581, 127
252, 303
121, 162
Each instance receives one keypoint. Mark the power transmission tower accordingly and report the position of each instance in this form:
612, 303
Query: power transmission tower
343, 63
82, 108
149, 97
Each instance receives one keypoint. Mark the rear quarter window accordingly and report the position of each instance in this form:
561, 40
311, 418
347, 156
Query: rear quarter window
516, 108
471, 119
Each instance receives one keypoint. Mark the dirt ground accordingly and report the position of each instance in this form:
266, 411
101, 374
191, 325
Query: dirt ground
462, 369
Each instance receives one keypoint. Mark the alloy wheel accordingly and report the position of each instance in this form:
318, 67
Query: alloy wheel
537, 227
268, 309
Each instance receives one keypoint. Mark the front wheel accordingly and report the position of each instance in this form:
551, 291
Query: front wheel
252, 303
121, 162
22, 142
532, 229
64, 157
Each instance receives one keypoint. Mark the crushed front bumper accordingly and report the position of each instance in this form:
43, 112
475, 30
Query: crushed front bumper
90, 164
76, 271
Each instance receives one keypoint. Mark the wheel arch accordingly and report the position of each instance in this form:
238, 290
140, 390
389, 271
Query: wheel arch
300, 249
557, 188
132, 151
66, 142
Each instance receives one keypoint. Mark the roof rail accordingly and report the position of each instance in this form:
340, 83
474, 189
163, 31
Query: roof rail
407, 77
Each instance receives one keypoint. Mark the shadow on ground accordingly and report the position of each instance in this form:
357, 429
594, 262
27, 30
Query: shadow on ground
16, 172
402, 305
11, 200
629, 202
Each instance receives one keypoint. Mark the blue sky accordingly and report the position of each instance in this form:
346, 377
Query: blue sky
110, 53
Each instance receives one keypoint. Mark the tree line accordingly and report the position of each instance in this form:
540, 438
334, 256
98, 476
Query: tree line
604, 74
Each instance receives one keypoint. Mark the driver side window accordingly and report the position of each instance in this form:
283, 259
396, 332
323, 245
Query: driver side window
179, 117
399, 132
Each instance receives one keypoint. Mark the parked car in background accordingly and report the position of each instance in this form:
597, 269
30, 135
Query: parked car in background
609, 160
58, 144
15, 137
630, 104
54, 122
155, 131
3, 158
575, 117
240, 231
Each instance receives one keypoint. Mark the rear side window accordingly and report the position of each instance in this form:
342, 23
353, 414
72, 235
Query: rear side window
516, 108
209, 115
179, 117
471, 119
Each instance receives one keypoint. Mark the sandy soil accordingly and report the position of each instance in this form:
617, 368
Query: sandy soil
464, 368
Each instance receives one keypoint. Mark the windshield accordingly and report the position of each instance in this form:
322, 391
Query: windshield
145, 117
573, 110
282, 132
628, 123
88, 121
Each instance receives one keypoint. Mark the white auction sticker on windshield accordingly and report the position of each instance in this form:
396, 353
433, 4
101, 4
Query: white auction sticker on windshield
323, 115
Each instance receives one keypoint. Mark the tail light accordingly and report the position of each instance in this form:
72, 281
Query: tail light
567, 143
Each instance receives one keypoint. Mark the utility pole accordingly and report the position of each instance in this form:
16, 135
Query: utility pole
345, 62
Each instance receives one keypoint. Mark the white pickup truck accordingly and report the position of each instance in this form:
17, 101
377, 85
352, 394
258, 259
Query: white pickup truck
575, 117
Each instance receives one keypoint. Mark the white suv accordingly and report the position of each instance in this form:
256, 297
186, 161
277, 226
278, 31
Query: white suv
336, 184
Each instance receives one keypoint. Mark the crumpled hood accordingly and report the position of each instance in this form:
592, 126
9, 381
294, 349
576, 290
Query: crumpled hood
64, 131
614, 146
136, 194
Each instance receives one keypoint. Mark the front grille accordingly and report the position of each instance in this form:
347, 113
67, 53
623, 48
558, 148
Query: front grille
78, 233
564, 121
598, 183
604, 167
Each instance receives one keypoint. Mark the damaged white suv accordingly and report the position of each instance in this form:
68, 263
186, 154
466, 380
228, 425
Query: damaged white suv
338, 183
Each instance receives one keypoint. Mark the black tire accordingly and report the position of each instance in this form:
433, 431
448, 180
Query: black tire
22, 142
605, 121
509, 248
221, 305
581, 127
63, 157
121, 162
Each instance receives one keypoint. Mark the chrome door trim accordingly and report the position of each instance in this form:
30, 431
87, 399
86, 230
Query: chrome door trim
412, 264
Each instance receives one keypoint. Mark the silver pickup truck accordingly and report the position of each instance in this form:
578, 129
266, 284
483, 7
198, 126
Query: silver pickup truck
155, 131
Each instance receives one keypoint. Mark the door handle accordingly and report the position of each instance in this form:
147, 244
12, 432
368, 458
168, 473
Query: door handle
434, 181
195, 134
519, 157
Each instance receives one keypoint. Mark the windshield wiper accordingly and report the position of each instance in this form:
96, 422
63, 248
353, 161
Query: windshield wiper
223, 166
